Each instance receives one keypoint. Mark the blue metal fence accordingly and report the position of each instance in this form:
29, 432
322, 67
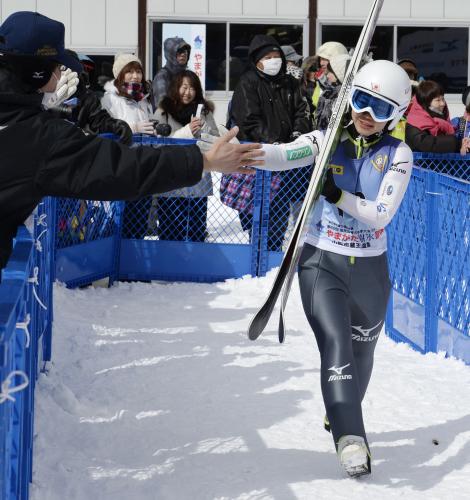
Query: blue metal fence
429, 246
25, 341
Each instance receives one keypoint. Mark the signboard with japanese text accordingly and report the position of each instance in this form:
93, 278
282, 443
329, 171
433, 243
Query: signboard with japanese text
195, 35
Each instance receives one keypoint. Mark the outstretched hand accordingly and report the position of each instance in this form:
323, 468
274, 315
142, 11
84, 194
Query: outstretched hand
227, 158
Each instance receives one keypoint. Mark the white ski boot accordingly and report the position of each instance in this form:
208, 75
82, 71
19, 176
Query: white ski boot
354, 455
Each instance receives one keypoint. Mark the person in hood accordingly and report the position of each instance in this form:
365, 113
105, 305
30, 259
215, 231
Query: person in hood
177, 53
43, 155
428, 127
268, 106
86, 111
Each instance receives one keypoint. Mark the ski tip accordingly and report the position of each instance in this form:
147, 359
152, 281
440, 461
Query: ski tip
281, 331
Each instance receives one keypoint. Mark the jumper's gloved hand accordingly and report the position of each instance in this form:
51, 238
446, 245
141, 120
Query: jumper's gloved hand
122, 129
144, 127
330, 190
66, 87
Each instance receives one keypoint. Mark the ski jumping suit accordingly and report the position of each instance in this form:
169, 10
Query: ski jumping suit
343, 271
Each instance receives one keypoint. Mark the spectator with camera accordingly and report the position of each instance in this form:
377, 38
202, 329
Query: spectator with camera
182, 214
126, 98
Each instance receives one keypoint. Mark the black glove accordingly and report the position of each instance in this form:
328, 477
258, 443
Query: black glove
330, 190
122, 129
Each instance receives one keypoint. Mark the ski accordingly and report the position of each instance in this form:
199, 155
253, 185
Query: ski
287, 269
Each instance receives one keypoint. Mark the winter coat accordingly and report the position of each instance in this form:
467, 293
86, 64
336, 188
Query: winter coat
428, 132
91, 117
46, 156
268, 109
162, 79
129, 110
178, 131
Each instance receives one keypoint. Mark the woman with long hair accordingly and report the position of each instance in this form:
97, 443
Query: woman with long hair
182, 214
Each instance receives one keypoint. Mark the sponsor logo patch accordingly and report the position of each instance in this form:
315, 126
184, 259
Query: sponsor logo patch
337, 169
296, 154
389, 190
379, 162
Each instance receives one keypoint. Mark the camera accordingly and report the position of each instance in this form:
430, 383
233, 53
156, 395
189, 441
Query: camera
162, 129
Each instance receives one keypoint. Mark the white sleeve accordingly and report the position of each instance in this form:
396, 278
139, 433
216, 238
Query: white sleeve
379, 212
296, 154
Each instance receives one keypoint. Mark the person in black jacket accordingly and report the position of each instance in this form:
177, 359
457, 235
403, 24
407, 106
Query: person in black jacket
43, 155
88, 113
268, 106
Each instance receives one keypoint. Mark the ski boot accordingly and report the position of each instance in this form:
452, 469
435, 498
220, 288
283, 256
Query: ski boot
354, 455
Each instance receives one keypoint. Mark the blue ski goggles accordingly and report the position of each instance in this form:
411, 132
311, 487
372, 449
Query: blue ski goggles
380, 109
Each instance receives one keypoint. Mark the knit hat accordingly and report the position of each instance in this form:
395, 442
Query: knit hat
121, 60
466, 97
339, 64
331, 49
290, 53
410, 67
262, 51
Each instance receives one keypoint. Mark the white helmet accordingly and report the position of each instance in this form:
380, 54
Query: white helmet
383, 89
330, 49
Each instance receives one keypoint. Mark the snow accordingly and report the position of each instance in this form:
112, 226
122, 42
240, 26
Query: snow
155, 392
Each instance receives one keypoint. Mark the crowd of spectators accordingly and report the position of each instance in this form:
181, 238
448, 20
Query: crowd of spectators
279, 96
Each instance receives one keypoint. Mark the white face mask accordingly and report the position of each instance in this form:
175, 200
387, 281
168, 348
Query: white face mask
272, 66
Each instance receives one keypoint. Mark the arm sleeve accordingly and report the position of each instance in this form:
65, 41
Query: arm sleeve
379, 212
80, 166
296, 154
421, 140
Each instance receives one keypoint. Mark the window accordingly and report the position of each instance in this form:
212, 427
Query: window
242, 34
441, 54
217, 50
102, 72
381, 45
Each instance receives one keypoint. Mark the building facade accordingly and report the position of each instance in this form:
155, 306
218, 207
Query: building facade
435, 33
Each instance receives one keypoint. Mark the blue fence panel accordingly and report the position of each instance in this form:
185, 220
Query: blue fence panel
25, 339
192, 234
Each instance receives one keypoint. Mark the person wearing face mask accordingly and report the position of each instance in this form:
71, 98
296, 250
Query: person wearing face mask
126, 98
177, 53
268, 106
43, 155
428, 127
335, 71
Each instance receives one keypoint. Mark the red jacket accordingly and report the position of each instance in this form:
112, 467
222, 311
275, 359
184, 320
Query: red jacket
420, 118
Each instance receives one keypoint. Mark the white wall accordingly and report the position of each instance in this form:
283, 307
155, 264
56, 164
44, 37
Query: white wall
409, 10
93, 26
229, 8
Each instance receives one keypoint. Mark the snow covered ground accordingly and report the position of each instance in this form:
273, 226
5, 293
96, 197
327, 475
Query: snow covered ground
156, 393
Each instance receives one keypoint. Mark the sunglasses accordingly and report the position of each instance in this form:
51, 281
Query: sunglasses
380, 109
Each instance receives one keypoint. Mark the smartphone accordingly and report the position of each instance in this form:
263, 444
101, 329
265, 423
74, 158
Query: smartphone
199, 110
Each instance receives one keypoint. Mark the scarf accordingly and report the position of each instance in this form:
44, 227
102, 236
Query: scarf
420, 118
134, 90
184, 113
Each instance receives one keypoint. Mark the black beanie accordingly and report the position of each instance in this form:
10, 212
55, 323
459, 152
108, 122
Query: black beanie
262, 51
466, 97
34, 71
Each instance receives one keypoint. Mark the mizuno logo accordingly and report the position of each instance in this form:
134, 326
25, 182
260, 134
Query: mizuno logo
339, 373
364, 333
38, 74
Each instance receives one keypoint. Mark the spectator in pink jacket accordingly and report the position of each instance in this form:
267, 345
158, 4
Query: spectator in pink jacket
428, 126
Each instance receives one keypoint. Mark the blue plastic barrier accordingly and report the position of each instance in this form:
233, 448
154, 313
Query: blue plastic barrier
429, 252
25, 340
